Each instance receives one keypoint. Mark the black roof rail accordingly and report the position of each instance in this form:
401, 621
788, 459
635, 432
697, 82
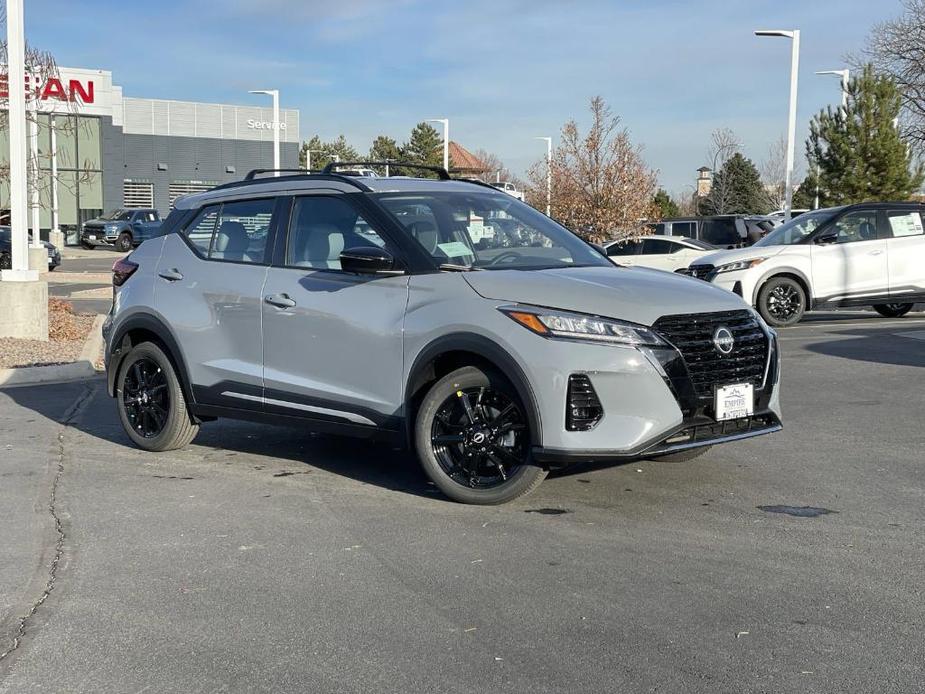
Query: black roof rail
439, 170
249, 180
253, 173
476, 181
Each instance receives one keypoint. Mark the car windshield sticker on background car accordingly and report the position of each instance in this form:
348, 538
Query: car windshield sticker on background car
442, 315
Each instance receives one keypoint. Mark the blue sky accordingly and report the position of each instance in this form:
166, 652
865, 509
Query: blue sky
503, 71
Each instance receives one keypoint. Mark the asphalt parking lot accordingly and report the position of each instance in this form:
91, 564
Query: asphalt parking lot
262, 559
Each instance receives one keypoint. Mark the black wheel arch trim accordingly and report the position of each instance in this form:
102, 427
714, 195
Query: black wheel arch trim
789, 272
152, 324
486, 349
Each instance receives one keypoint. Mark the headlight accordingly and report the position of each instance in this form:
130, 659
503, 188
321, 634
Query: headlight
739, 265
576, 326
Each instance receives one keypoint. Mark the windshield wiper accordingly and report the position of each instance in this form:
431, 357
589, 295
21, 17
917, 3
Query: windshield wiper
452, 267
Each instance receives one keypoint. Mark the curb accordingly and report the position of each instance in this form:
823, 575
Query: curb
80, 369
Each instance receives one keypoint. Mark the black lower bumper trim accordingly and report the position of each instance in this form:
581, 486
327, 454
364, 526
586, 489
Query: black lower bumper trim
691, 434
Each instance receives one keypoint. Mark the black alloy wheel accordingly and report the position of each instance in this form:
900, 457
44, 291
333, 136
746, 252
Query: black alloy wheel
5, 262
477, 437
893, 310
473, 437
150, 400
146, 397
782, 302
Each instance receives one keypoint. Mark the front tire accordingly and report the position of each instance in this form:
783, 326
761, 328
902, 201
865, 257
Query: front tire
150, 401
124, 242
473, 438
893, 310
782, 302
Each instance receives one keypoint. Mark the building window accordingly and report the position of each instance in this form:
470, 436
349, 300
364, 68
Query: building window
180, 188
137, 194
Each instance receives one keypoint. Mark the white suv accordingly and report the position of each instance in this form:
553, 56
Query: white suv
870, 254
670, 253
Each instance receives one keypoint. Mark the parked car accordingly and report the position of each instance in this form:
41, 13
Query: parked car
124, 229
871, 254
6, 251
722, 231
509, 188
494, 364
660, 252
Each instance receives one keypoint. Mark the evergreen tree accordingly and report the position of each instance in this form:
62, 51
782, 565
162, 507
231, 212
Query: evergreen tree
667, 207
737, 189
804, 197
424, 147
859, 152
385, 148
323, 153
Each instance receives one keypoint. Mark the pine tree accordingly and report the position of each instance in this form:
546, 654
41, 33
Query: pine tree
859, 152
424, 147
804, 197
737, 189
667, 207
385, 148
323, 153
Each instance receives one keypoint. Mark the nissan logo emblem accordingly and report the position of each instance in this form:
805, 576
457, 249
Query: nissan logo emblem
723, 340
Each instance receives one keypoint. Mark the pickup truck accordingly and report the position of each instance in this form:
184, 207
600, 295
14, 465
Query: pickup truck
510, 189
124, 229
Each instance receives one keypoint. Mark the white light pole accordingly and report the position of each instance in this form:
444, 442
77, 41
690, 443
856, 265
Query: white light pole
446, 140
34, 208
275, 94
308, 157
16, 74
55, 235
794, 36
548, 174
845, 76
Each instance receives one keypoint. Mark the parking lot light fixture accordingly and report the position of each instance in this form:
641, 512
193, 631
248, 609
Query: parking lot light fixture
446, 140
308, 157
548, 174
845, 76
794, 36
275, 94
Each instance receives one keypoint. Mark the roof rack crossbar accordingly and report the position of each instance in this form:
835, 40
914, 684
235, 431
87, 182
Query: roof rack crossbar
442, 173
253, 173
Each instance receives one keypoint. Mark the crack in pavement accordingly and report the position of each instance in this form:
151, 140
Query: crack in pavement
69, 416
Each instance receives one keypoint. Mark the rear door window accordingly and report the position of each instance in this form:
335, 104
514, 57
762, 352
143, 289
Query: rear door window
243, 228
720, 232
621, 248
657, 247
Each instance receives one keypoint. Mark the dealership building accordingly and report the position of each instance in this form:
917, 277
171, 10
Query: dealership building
117, 151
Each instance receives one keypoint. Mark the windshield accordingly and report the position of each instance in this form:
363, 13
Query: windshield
485, 230
118, 215
798, 229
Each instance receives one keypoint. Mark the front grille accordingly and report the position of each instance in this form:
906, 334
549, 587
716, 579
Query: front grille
709, 368
701, 272
582, 410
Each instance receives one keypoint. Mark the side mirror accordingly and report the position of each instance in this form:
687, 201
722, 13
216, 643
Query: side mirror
827, 238
369, 260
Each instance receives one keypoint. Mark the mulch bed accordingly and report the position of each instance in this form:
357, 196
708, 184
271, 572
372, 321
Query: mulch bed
67, 332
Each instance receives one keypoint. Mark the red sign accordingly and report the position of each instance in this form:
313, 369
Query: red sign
54, 88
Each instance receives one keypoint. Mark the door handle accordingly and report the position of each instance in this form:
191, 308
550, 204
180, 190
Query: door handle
279, 300
171, 275
876, 252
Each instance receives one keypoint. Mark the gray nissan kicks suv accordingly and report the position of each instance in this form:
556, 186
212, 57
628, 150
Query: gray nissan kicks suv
395, 308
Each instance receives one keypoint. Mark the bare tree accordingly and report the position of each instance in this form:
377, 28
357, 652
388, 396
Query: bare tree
601, 185
897, 48
774, 173
723, 145
40, 68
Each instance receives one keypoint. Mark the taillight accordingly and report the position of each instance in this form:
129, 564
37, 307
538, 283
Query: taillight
122, 269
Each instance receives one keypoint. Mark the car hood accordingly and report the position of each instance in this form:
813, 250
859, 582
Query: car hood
723, 257
634, 294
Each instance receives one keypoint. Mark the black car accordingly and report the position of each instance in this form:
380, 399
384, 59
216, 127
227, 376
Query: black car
6, 251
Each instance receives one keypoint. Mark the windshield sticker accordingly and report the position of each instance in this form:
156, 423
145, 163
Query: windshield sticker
454, 249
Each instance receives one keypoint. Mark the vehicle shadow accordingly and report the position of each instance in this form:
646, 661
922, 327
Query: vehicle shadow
86, 407
883, 346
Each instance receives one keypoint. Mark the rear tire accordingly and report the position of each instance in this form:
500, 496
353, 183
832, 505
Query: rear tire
124, 242
782, 302
893, 310
473, 438
150, 400
683, 456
